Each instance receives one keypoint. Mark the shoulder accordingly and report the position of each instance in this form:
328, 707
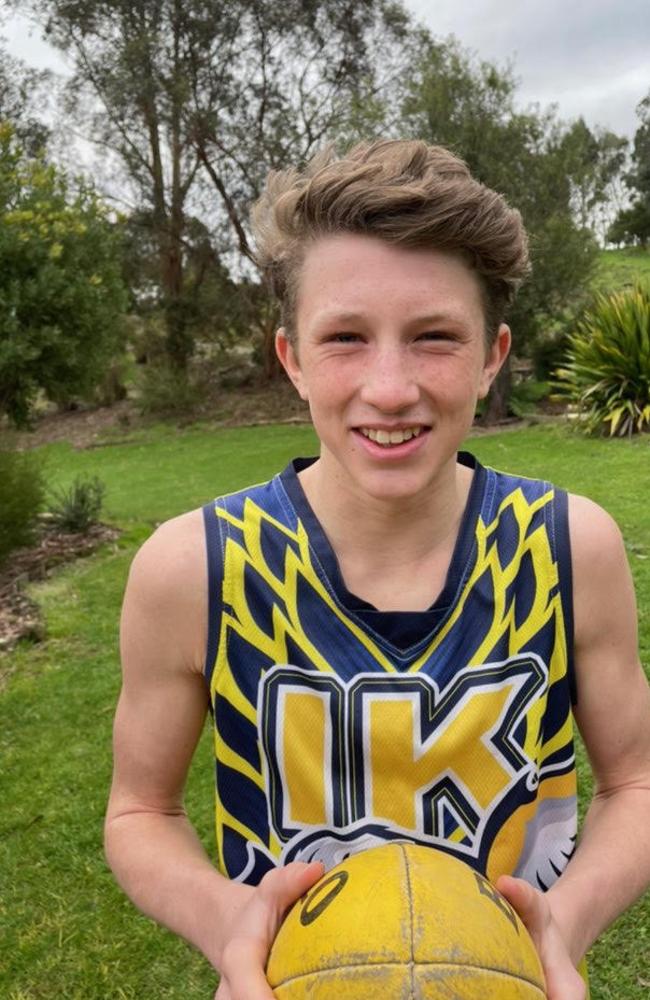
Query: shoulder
613, 704
596, 541
166, 593
176, 545
603, 592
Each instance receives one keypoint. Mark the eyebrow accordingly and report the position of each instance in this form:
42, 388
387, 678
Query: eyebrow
418, 320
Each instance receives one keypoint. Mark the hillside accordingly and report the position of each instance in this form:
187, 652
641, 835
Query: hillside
622, 267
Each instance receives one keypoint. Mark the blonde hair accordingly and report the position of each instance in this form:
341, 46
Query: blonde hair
402, 191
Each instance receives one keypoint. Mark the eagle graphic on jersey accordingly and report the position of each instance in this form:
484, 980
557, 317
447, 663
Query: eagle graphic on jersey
331, 737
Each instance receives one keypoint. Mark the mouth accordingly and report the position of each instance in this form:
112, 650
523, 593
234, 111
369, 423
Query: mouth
392, 438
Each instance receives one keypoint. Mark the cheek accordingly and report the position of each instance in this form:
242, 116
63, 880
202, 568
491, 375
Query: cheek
328, 384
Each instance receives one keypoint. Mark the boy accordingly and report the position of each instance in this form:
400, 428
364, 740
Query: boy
397, 638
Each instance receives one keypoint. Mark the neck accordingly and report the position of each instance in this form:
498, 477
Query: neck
404, 530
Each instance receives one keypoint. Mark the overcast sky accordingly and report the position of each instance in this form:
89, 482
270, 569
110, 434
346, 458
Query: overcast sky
590, 57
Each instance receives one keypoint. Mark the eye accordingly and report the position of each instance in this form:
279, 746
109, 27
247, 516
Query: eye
435, 335
344, 338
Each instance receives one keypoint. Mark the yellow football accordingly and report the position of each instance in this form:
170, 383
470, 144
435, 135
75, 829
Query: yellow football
402, 922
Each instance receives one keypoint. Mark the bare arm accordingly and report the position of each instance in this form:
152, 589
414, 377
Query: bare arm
611, 866
151, 846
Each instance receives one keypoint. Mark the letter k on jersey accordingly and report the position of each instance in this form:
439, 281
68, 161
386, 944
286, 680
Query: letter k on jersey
392, 750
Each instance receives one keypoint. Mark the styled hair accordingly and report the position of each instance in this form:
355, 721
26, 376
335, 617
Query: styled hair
405, 192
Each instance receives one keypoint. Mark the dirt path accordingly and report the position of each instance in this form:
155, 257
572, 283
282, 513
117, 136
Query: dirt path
251, 405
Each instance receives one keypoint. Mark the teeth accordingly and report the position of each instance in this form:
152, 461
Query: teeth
387, 438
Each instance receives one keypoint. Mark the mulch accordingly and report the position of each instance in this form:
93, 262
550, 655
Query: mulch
98, 427
20, 617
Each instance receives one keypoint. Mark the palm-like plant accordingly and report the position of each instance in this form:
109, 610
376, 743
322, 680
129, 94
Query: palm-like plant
606, 374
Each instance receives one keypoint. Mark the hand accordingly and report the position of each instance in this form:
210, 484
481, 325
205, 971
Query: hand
249, 940
563, 981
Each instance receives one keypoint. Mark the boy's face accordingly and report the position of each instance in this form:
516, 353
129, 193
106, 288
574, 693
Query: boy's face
391, 357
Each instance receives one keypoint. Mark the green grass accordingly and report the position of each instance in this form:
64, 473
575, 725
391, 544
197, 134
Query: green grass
617, 268
67, 931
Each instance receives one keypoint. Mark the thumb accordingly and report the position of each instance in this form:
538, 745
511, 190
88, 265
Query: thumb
526, 901
283, 886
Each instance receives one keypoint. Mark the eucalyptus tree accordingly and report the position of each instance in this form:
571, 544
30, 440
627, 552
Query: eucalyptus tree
556, 174
23, 93
195, 100
632, 224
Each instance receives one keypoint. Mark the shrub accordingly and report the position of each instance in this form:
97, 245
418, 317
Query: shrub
75, 509
22, 495
525, 397
61, 292
606, 374
165, 391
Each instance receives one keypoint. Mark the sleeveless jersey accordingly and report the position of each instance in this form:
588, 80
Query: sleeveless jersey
337, 727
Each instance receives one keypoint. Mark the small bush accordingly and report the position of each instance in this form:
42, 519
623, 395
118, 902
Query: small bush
525, 397
22, 496
163, 391
77, 508
606, 374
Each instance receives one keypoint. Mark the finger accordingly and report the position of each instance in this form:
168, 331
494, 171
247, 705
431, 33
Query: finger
528, 903
283, 886
563, 981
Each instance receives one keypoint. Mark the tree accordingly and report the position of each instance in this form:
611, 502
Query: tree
594, 160
198, 99
216, 309
23, 94
632, 225
61, 294
469, 106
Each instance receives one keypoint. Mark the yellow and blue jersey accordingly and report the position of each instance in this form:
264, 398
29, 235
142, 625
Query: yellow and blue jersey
338, 726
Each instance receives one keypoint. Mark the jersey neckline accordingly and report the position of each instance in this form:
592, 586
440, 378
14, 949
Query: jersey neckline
321, 546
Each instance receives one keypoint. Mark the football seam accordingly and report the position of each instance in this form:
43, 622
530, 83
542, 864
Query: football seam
400, 965
409, 893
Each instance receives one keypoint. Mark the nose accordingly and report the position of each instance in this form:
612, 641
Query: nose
390, 381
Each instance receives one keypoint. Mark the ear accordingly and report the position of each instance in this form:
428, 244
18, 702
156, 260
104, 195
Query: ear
495, 357
288, 358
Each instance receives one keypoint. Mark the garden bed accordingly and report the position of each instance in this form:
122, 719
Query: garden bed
19, 614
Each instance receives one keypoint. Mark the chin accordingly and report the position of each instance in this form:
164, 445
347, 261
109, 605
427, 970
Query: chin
394, 487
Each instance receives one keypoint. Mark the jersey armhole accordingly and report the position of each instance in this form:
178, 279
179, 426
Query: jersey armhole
215, 575
565, 576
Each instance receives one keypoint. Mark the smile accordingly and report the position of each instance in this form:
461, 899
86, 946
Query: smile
388, 438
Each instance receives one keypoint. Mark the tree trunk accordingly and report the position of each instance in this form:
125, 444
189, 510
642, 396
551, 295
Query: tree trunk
271, 366
496, 406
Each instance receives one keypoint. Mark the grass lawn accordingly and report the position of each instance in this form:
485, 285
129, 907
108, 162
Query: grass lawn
617, 268
68, 933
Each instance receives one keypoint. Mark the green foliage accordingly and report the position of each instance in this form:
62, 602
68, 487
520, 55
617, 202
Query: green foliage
78, 507
195, 103
594, 159
163, 390
544, 169
23, 98
549, 349
525, 395
61, 294
211, 307
22, 493
632, 224
607, 371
